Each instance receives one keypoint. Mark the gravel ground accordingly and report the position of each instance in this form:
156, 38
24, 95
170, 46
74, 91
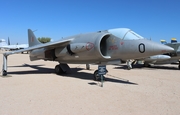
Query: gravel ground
34, 89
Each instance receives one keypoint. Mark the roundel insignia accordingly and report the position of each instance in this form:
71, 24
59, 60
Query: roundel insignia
89, 46
121, 43
32, 39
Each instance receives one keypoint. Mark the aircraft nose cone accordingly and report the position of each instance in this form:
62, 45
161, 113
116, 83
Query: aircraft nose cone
162, 48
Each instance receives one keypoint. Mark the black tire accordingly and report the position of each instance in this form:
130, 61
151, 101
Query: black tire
58, 69
4, 73
179, 67
96, 76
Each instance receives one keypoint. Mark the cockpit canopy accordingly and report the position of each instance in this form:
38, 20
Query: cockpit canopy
125, 33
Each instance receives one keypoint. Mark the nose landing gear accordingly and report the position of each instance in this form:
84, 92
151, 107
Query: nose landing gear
99, 74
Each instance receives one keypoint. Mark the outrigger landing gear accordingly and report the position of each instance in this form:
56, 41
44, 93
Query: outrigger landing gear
4, 68
4, 73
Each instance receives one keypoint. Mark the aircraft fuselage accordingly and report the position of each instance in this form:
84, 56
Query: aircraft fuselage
100, 47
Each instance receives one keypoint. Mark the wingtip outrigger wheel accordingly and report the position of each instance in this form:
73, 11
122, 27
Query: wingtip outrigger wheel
4, 73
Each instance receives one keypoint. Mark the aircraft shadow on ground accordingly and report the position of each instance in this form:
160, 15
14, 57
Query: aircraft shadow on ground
141, 66
38, 69
163, 67
75, 73
88, 76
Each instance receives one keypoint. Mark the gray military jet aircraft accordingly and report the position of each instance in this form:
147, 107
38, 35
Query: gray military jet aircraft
101, 48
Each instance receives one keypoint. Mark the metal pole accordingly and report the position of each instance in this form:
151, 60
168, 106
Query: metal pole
101, 80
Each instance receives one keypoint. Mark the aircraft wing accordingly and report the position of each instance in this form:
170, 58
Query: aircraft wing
49, 45
9, 47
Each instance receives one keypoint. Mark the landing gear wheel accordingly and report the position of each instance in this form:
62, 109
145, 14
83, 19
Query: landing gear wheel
97, 77
179, 67
4, 73
58, 69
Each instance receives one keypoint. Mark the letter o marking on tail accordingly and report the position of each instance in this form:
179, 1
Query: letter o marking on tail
141, 48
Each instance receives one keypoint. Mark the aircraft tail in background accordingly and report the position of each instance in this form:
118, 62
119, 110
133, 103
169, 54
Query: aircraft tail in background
3, 42
163, 42
9, 41
173, 40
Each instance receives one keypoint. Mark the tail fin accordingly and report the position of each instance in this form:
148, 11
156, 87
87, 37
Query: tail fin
8, 41
32, 38
173, 40
163, 42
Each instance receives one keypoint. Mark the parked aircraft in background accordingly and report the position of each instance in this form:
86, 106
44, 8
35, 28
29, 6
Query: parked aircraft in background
4, 45
3, 42
101, 48
167, 58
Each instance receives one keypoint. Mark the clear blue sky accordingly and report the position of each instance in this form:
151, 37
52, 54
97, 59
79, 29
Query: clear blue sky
158, 19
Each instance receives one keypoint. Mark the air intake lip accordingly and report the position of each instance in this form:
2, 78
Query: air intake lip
103, 46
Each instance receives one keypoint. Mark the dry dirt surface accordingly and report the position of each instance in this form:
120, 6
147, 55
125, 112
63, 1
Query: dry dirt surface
34, 89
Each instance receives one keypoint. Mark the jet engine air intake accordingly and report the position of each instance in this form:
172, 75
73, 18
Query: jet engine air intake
104, 46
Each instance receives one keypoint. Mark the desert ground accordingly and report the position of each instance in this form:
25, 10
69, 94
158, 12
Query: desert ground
32, 88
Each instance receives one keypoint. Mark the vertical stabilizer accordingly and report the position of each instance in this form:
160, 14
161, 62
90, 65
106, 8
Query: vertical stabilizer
32, 38
173, 40
163, 42
8, 41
